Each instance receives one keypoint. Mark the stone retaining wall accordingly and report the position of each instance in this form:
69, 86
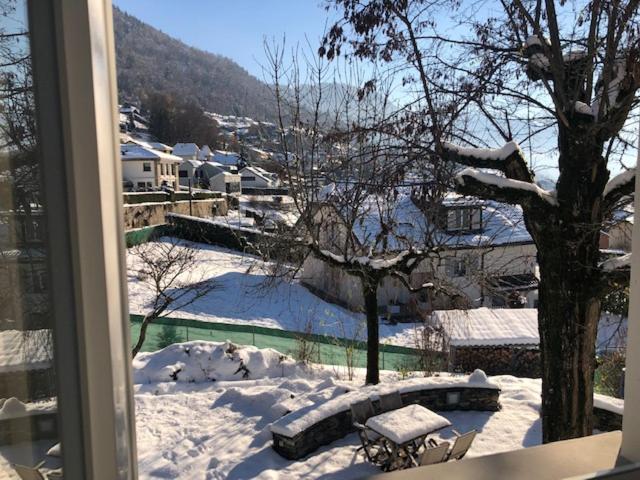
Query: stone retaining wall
337, 426
28, 428
606, 421
520, 361
147, 214
28, 385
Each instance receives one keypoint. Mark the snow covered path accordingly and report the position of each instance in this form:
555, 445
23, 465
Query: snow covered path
243, 297
221, 430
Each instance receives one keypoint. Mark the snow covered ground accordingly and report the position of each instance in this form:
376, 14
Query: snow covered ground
243, 296
221, 429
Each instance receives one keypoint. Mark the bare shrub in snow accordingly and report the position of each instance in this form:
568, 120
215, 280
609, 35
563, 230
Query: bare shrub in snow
169, 269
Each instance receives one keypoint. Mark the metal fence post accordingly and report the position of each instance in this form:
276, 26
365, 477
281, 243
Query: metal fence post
187, 333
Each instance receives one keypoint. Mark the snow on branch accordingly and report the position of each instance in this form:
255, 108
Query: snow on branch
483, 153
619, 186
373, 263
503, 189
508, 159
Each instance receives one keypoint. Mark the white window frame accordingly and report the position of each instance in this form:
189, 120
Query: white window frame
75, 87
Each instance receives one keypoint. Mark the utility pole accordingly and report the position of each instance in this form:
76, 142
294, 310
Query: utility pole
190, 198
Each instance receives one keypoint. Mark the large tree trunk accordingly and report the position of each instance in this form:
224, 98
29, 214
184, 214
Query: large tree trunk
568, 317
569, 303
370, 294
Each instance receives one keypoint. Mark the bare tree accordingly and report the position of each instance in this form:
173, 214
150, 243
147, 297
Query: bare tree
169, 268
537, 71
358, 214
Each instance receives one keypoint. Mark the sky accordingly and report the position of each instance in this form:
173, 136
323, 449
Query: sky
235, 29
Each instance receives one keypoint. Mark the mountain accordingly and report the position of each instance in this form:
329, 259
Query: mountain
149, 61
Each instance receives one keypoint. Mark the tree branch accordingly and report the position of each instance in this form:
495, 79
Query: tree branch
509, 159
493, 187
619, 187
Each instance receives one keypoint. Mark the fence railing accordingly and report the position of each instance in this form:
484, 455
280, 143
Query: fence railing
325, 349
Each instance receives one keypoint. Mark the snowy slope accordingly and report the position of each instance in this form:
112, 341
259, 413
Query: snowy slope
243, 297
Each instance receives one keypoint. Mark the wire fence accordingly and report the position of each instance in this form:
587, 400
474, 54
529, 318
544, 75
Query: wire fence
322, 349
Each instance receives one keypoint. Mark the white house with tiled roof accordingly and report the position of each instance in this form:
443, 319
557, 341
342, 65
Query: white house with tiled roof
147, 169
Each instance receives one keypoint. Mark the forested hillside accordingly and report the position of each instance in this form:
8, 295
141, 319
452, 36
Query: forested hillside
150, 61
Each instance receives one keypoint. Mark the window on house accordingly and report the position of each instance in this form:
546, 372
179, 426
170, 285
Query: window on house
248, 178
461, 266
183, 173
464, 219
146, 167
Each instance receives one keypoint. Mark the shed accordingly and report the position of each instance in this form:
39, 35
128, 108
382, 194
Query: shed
501, 341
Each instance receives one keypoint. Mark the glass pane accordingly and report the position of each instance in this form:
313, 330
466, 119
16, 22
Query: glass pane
27, 377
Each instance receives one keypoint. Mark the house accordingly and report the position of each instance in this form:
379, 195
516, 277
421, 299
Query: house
205, 154
500, 341
188, 172
147, 169
486, 256
230, 160
224, 181
131, 119
186, 151
616, 236
257, 177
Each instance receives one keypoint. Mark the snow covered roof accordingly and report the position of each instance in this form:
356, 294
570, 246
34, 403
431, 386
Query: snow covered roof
226, 158
186, 149
194, 163
258, 172
25, 350
502, 224
489, 327
205, 153
137, 152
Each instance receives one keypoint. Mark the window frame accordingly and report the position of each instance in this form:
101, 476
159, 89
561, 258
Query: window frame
73, 54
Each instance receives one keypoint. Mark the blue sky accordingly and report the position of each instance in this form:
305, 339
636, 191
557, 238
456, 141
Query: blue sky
235, 29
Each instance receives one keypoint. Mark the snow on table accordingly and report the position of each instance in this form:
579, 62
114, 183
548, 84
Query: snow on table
407, 423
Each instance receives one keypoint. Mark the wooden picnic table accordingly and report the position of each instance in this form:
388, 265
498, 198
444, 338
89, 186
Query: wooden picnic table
405, 429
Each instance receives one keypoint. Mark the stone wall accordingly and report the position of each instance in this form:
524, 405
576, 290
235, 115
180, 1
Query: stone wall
28, 428
28, 385
519, 361
606, 421
147, 214
337, 426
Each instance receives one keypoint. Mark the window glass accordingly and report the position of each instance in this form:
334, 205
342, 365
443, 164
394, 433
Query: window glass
28, 422
146, 167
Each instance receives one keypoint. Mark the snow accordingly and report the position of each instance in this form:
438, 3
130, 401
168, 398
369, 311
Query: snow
374, 263
616, 263
242, 298
619, 180
502, 182
200, 361
583, 108
610, 404
137, 152
607, 100
484, 153
25, 350
407, 423
13, 408
340, 400
489, 326
222, 429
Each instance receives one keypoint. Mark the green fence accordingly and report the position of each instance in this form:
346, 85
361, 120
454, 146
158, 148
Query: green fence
324, 349
146, 234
